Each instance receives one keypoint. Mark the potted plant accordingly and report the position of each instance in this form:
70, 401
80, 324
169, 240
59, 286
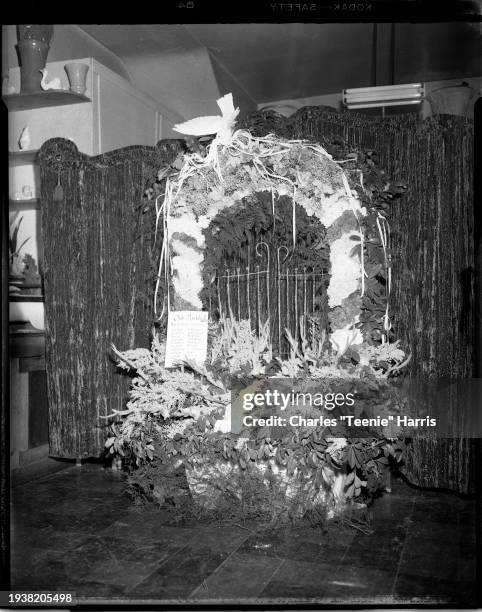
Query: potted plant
16, 260
32, 284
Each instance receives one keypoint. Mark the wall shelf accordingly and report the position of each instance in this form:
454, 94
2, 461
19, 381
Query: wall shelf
43, 99
22, 297
30, 204
22, 158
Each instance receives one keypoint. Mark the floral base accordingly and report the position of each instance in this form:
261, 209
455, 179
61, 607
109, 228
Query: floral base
267, 485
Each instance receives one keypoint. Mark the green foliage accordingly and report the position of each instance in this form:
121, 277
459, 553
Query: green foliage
232, 236
158, 396
376, 193
172, 420
306, 456
14, 229
234, 232
237, 348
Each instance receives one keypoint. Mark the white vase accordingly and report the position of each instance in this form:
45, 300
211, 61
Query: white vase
77, 73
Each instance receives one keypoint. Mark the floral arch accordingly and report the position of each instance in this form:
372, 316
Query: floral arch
182, 417
237, 171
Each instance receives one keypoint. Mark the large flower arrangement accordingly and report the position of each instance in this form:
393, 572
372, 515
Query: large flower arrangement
180, 417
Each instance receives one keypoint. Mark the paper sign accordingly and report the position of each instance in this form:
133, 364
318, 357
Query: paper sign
187, 337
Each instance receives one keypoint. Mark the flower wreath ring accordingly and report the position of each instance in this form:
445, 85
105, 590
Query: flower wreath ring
238, 165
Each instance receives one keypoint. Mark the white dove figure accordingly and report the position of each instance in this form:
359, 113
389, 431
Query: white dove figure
53, 84
221, 125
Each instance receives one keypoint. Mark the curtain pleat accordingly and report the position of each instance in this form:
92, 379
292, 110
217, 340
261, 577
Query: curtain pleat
98, 279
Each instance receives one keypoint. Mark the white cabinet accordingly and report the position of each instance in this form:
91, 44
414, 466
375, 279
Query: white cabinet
122, 116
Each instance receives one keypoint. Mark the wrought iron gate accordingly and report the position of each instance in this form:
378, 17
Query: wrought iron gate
290, 298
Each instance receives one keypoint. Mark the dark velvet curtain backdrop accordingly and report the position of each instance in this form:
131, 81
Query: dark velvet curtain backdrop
95, 251
97, 270
433, 251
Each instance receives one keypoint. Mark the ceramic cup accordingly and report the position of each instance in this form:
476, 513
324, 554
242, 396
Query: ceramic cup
77, 73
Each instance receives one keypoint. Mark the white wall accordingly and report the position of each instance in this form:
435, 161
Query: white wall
227, 83
183, 82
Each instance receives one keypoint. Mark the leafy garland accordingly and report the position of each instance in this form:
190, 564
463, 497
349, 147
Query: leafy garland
376, 194
234, 232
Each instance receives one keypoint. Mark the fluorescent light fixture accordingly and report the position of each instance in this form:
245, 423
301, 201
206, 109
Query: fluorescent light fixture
390, 95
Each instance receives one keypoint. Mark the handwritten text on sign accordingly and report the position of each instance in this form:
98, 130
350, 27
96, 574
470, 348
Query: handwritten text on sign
187, 337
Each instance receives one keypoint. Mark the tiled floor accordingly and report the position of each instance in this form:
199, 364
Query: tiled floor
76, 530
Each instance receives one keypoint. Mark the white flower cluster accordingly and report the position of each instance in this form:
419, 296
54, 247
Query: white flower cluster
391, 353
333, 206
342, 339
345, 270
187, 224
169, 430
187, 281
